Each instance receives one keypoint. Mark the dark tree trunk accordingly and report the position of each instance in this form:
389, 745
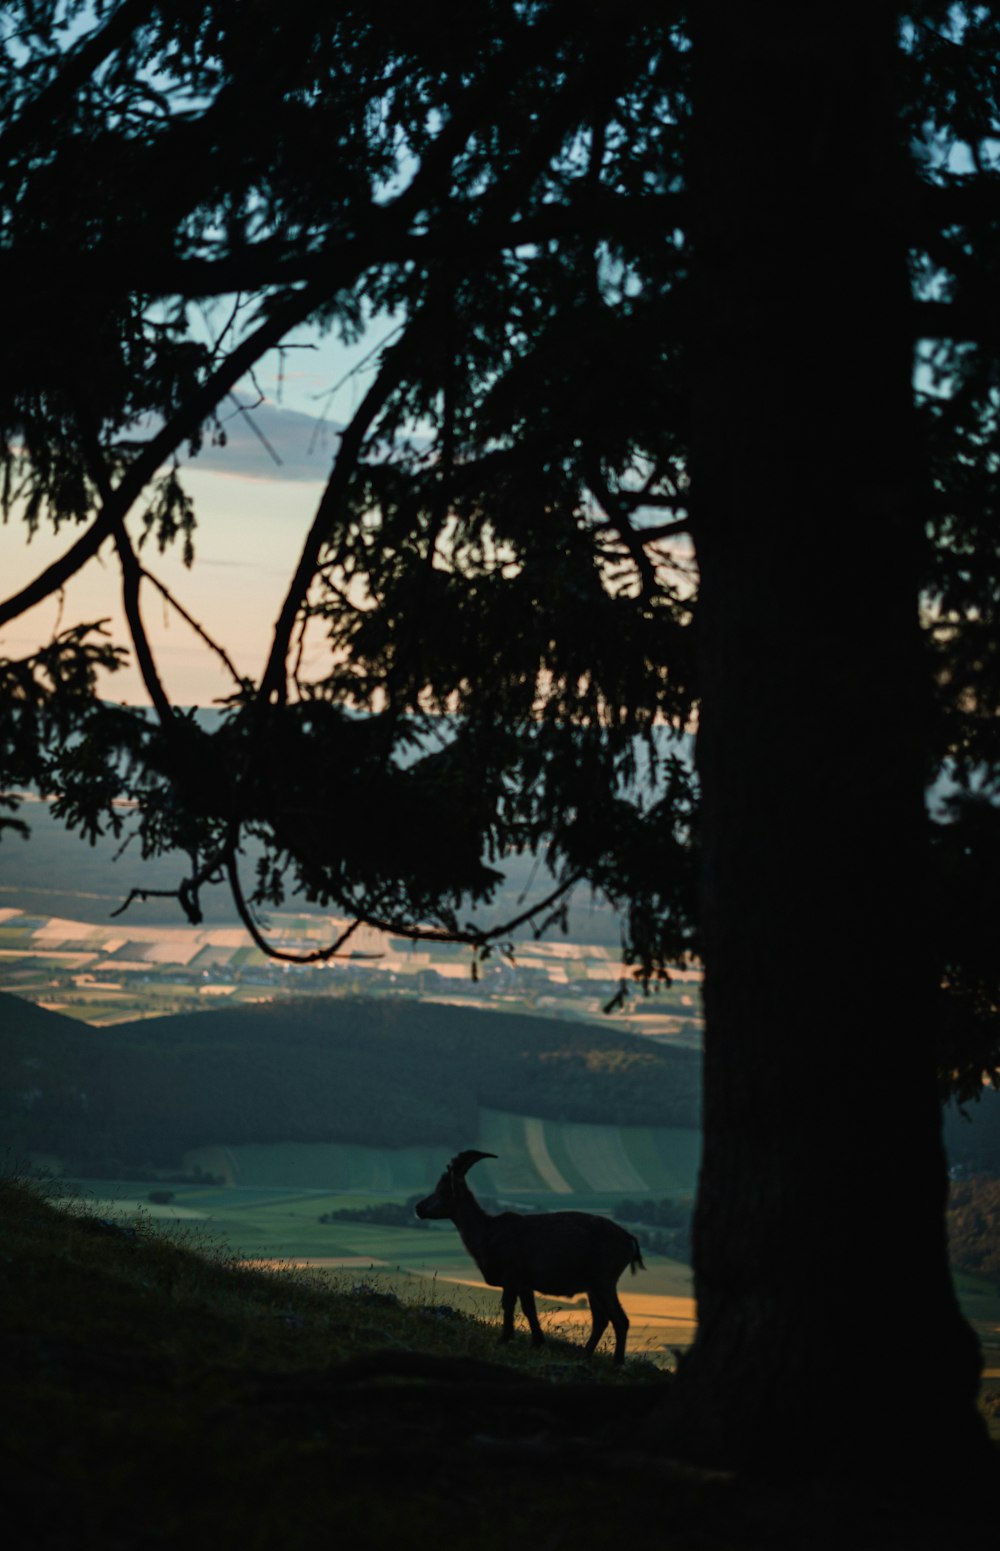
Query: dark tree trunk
828, 1324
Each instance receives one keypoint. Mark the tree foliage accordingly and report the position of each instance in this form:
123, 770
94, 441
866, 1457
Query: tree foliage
501, 561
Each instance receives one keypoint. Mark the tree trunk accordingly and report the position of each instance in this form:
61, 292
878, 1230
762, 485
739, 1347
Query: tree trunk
828, 1325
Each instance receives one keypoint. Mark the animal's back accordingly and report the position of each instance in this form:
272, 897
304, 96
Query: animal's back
559, 1253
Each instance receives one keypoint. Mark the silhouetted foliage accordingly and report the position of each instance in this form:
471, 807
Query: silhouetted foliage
659, 1214
389, 1214
362, 128
512, 192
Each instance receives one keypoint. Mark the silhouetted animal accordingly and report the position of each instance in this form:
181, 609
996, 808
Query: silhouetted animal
556, 1253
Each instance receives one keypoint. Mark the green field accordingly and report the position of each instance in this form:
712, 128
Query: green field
535, 1159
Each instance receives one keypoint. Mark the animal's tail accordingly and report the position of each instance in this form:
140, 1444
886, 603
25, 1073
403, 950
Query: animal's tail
637, 1263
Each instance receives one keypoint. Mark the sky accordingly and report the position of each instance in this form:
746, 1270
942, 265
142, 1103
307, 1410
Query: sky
253, 514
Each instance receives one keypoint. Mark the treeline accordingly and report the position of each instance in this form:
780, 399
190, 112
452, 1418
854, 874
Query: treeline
663, 1227
386, 1072
388, 1214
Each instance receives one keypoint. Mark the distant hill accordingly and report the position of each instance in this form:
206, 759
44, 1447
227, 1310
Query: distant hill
56, 873
385, 1072
388, 1072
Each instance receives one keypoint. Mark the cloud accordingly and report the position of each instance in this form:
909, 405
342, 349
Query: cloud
264, 441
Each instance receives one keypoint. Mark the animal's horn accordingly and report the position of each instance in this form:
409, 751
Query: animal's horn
463, 1163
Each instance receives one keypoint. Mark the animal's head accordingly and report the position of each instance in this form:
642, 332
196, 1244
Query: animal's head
450, 1187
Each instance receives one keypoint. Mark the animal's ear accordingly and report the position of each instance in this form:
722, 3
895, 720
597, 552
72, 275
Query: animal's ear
461, 1165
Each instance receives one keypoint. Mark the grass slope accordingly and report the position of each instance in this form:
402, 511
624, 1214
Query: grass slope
155, 1396
158, 1398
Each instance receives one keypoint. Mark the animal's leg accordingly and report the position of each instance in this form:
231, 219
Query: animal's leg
508, 1299
619, 1320
531, 1314
600, 1316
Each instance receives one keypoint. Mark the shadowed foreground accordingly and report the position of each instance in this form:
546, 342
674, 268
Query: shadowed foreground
157, 1397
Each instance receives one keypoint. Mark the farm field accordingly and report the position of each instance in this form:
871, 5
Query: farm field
104, 971
594, 1164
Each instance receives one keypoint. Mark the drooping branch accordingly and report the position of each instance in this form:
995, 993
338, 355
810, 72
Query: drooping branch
132, 575
390, 926
318, 956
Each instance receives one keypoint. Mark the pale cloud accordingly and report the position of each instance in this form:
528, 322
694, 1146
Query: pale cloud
265, 441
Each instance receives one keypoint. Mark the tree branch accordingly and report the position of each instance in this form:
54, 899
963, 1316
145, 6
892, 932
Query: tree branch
390, 926
199, 630
131, 585
972, 320
273, 684
618, 520
319, 956
131, 570
271, 262
185, 422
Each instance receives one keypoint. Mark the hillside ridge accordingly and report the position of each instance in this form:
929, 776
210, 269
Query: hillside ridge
387, 1072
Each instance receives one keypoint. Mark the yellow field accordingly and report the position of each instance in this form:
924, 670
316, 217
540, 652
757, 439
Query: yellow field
660, 1319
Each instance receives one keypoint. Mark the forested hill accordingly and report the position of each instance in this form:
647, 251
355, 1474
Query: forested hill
386, 1072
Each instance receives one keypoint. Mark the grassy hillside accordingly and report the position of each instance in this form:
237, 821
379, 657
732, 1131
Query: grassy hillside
299, 1227
157, 1398
381, 1072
